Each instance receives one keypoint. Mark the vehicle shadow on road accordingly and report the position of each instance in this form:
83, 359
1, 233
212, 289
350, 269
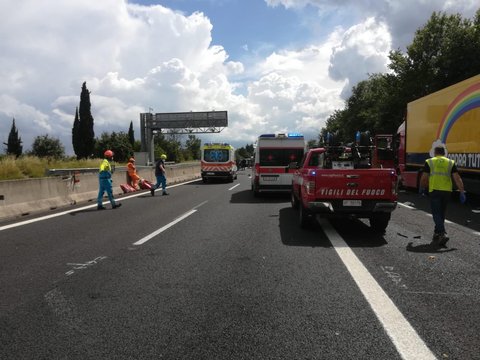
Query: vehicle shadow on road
292, 235
246, 197
357, 233
427, 248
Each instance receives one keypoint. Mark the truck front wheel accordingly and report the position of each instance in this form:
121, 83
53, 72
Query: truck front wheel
294, 200
305, 217
379, 222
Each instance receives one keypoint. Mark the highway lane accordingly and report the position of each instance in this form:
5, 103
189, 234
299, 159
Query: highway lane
236, 278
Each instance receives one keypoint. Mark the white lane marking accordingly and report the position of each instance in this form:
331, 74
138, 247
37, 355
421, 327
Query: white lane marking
405, 205
26, 222
406, 340
201, 204
163, 228
233, 187
430, 215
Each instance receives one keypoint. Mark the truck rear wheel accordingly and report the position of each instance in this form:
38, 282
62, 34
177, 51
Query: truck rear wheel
379, 222
256, 193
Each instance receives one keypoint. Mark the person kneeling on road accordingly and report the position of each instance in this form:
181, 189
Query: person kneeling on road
132, 173
105, 181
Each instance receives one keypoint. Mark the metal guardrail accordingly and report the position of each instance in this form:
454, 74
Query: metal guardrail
69, 172
72, 171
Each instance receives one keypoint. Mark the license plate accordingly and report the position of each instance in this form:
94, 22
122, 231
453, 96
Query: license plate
352, 202
210, 173
269, 178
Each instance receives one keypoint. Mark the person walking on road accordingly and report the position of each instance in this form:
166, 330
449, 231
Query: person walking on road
161, 175
105, 181
437, 176
132, 173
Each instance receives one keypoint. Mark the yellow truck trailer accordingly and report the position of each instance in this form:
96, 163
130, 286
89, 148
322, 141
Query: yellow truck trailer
448, 117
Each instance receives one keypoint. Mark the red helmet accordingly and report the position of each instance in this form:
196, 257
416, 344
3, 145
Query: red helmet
108, 153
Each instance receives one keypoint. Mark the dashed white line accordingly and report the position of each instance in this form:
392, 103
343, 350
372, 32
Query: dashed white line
163, 228
406, 340
233, 187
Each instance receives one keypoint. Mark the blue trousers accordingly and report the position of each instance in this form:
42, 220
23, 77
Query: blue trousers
438, 204
105, 185
161, 180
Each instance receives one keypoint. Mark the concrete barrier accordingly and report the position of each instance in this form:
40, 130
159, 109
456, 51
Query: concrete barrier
23, 197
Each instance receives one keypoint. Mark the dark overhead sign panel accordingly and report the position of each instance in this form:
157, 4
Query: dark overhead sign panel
185, 120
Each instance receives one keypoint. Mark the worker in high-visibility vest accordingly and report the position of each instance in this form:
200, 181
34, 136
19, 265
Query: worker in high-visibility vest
105, 181
437, 176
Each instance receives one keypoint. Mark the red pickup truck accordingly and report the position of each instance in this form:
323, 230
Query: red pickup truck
340, 182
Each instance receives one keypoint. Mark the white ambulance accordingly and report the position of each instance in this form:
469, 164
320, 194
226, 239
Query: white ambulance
273, 155
218, 162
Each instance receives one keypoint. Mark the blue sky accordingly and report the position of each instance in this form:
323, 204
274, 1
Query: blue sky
274, 65
237, 23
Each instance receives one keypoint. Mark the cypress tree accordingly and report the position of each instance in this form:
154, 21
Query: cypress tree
14, 144
77, 147
131, 136
87, 135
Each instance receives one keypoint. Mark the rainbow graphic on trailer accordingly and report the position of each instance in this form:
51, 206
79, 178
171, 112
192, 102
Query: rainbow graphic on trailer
464, 102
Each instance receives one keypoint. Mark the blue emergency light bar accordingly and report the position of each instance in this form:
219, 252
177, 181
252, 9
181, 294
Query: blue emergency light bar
282, 135
295, 135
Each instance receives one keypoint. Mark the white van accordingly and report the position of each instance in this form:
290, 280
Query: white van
273, 155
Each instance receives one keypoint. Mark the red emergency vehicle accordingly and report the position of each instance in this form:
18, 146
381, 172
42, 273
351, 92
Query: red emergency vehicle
340, 181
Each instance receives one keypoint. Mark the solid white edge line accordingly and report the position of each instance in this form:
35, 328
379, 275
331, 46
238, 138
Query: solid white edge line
407, 206
405, 339
233, 187
430, 215
46, 217
163, 228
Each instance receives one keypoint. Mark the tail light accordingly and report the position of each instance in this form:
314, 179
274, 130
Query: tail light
256, 174
310, 187
394, 183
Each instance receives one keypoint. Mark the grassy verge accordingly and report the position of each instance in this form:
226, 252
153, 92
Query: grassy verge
27, 167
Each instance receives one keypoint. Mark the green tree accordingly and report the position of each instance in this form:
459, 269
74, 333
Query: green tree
192, 145
14, 143
312, 144
445, 51
76, 137
245, 152
119, 143
131, 134
85, 128
45, 146
170, 145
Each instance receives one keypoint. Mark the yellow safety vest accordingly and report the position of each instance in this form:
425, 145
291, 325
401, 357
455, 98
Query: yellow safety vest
440, 173
105, 170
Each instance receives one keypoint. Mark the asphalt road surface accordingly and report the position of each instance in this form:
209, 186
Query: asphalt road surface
210, 272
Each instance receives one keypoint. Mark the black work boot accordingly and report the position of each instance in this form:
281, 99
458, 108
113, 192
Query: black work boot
442, 240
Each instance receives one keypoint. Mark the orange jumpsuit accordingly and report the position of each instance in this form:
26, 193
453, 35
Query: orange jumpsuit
132, 172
